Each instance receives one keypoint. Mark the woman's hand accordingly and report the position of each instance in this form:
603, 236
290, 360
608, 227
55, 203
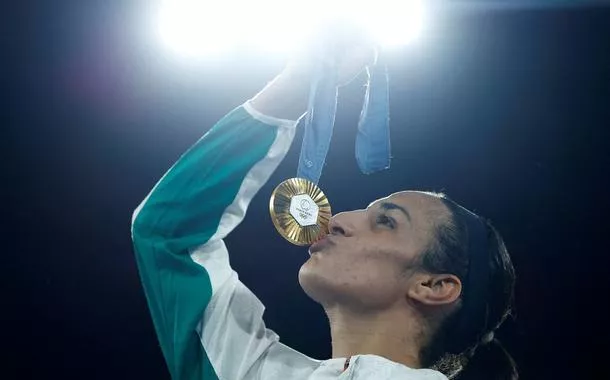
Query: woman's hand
344, 47
287, 95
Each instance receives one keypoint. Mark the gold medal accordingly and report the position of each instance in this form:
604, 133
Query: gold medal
300, 211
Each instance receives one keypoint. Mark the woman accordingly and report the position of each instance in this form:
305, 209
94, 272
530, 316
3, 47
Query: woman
414, 285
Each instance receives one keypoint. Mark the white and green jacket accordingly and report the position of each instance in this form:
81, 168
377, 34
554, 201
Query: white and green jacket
209, 324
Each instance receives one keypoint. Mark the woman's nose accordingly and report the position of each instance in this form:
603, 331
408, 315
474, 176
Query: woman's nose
340, 225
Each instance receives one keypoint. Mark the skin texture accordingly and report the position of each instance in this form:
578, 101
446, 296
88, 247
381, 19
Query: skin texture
365, 274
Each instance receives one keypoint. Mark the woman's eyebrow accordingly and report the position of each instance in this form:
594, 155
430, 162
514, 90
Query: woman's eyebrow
393, 206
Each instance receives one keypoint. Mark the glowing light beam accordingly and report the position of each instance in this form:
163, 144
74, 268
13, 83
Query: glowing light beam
195, 28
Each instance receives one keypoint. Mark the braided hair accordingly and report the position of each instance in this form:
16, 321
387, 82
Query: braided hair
464, 347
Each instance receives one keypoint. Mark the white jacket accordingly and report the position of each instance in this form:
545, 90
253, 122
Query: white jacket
208, 323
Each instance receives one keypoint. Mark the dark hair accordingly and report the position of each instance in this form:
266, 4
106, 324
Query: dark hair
480, 355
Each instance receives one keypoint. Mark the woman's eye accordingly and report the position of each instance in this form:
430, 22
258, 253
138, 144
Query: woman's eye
386, 221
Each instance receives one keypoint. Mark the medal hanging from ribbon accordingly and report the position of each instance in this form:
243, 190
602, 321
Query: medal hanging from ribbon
299, 209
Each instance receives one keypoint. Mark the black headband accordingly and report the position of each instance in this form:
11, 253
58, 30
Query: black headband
472, 322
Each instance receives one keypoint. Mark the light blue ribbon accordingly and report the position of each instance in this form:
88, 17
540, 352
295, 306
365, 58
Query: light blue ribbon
373, 137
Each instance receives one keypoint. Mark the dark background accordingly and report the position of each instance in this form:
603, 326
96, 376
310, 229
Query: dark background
507, 111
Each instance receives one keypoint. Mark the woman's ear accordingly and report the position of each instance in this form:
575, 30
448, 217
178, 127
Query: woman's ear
435, 289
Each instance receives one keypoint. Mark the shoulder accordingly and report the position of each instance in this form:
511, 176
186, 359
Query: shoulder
366, 367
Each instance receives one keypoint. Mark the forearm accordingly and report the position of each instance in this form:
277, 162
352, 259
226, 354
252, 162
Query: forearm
184, 208
285, 97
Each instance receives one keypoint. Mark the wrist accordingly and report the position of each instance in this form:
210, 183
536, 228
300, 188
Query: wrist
284, 97
297, 75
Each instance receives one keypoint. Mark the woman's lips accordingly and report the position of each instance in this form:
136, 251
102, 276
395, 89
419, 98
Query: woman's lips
320, 244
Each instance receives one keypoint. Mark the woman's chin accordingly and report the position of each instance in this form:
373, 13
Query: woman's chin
312, 282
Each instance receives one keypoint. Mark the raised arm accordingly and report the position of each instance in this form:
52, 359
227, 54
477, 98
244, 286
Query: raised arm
208, 323
178, 229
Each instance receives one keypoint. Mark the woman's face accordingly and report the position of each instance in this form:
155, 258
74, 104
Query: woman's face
364, 259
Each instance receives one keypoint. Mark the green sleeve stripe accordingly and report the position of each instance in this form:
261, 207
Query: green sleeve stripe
182, 212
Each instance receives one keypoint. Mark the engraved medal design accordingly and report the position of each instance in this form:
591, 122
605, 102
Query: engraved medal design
300, 211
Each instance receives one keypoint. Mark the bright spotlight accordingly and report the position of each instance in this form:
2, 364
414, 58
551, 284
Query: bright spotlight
194, 28
394, 23
389, 22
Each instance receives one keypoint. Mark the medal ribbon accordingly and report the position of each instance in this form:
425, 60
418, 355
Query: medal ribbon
373, 136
